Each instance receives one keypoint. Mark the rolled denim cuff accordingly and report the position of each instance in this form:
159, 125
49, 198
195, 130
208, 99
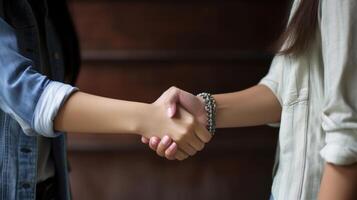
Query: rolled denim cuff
51, 100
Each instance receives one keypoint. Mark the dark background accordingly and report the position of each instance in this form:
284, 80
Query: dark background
135, 50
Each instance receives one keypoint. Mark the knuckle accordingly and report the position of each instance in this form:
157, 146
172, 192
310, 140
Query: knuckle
208, 138
180, 137
160, 152
191, 151
168, 156
189, 128
184, 134
201, 147
173, 89
205, 140
180, 158
191, 120
152, 147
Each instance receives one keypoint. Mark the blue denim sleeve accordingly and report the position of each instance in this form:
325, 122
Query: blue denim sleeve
29, 97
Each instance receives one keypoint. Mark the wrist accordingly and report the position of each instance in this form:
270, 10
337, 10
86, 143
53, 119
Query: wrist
146, 116
202, 117
131, 117
210, 108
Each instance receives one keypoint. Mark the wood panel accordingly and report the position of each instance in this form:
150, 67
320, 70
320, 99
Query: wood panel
145, 81
178, 25
210, 176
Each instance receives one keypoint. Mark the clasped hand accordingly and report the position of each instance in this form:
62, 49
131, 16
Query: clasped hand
187, 133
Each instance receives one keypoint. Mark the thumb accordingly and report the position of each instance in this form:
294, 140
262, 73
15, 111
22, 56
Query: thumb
171, 110
169, 99
191, 103
172, 99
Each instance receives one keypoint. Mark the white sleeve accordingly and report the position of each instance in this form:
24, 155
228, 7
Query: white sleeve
339, 47
273, 80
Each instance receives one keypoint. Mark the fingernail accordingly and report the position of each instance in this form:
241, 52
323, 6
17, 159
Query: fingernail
155, 141
165, 140
171, 150
173, 146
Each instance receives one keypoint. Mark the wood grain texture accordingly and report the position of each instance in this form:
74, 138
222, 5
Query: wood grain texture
136, 176
178, 25
145, 81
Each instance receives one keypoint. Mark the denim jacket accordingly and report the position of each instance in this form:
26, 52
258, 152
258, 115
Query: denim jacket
317, 91
29, 99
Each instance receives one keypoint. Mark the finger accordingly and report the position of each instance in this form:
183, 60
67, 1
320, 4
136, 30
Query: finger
191, 103
172, 100
196, 143
169, 96
163, 145
154, 142
180, 155
202, 133
144, 140
185, 140
171, 151
188, 149
171, 110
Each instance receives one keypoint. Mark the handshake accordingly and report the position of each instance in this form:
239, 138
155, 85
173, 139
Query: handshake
183, 129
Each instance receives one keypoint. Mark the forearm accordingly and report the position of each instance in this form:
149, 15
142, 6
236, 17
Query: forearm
85, 113
339, 182
254, 106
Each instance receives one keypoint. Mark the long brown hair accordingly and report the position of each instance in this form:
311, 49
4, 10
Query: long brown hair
301, 29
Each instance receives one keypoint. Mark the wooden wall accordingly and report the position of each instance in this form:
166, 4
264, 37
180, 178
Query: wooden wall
135, 50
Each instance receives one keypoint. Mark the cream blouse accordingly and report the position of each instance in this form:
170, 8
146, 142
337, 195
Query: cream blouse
318, 94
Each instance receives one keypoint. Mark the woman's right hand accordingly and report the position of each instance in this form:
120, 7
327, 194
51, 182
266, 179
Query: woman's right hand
184, 129
172, 99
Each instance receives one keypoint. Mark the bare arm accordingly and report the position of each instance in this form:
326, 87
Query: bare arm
85, 113
339, 182
254, 106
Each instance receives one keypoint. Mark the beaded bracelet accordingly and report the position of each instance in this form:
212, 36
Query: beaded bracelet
210, 107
